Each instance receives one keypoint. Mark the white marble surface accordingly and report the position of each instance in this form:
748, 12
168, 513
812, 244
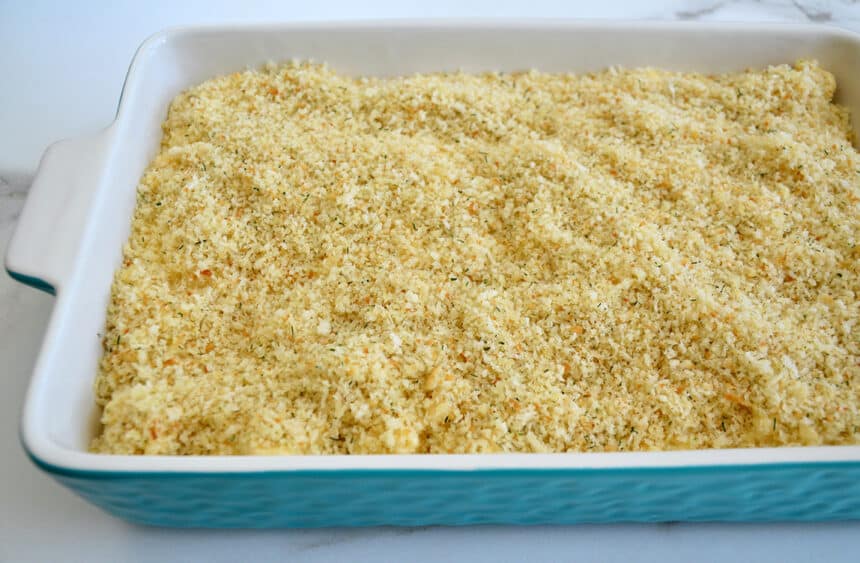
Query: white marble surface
61, 70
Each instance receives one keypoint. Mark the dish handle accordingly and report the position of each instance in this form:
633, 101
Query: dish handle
43, 247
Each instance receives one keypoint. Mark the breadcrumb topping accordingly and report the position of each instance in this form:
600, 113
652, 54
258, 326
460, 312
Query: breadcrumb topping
528, 262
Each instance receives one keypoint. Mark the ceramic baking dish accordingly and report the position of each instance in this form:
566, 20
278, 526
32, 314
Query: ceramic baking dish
77, 216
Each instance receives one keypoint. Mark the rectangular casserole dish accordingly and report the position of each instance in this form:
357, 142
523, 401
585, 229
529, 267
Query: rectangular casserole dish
77, 216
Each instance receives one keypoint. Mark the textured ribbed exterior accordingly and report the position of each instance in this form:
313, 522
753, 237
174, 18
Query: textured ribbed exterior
419, 497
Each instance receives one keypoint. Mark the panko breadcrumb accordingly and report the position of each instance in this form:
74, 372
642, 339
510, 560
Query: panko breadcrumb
527, 262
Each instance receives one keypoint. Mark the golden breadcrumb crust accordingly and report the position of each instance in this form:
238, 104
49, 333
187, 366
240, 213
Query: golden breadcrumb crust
529, 262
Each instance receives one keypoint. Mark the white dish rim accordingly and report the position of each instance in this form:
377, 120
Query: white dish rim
51, 455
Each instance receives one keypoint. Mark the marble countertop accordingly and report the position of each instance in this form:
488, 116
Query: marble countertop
62, 66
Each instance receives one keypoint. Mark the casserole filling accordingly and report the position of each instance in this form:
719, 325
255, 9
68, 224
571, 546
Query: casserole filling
529, 262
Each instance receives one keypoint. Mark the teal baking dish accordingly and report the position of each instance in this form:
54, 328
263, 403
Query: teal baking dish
77, 216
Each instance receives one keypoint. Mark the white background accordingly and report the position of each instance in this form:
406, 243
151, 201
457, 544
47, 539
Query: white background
61, 71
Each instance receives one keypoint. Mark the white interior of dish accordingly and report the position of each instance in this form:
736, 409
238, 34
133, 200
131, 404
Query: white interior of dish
60, 416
